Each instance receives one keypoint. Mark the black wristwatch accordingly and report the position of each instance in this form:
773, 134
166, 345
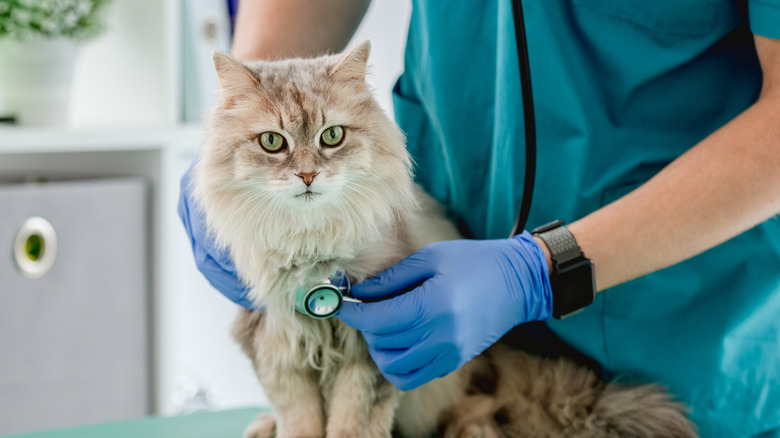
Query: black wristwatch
572, 280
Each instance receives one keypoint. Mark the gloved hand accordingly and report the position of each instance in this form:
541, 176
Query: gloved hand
214, 263
468, 294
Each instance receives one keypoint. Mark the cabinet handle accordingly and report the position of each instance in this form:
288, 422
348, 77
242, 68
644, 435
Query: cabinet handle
35, 247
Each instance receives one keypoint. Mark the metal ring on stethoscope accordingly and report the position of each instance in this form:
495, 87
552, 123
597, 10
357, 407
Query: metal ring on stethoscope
35, 247
322, 301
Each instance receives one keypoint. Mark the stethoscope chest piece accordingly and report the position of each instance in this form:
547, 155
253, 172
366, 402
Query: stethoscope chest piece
324, 299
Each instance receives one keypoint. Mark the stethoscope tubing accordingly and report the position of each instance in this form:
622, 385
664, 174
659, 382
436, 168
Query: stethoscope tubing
528, 118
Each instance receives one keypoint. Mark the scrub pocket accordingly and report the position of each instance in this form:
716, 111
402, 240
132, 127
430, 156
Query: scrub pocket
681, 17
422, 144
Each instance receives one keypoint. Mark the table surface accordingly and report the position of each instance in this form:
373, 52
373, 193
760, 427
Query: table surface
219, 424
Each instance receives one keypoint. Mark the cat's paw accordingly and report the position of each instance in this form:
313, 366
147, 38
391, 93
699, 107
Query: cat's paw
264, 426
472, 430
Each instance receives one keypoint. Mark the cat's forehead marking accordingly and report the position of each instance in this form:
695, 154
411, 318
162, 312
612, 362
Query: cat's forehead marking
300, 111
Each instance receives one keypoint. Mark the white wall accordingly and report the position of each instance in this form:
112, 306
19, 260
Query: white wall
127, 77
124, 77
196, 351
386, 24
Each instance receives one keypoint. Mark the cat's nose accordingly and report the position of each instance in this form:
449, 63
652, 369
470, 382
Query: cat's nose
307, 177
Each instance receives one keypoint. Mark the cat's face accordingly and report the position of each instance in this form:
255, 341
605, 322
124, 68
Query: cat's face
299, 148
302, 133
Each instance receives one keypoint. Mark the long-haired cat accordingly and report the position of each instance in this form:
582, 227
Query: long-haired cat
302, 172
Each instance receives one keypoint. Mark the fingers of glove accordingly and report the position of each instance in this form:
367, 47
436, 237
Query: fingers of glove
184, 204
225, 281
214, 262
387, 316
204, 249
195, 223
399, 340
441, 365
408, 360
408, 273
194, 220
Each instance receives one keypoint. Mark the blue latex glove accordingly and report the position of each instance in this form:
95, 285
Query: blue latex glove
469, 294
214, 263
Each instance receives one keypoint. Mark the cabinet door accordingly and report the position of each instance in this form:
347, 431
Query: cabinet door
74, 343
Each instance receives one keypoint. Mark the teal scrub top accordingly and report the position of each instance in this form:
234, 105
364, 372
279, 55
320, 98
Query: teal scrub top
621, 88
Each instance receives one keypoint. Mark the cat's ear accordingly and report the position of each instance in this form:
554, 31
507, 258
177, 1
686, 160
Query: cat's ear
234, 77
353, 64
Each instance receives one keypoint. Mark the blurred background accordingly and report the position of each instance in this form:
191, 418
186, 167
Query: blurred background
103, 314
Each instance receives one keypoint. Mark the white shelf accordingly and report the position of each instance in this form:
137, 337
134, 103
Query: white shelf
24, 140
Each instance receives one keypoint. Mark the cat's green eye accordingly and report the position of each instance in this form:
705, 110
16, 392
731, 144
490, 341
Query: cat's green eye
272, 141
332, 136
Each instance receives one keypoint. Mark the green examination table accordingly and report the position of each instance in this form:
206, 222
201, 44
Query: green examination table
220, 424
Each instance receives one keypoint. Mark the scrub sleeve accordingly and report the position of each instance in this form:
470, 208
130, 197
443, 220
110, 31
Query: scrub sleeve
621, 88
764, 18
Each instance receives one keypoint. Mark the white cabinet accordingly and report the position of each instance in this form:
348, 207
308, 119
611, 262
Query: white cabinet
73, 303
157, 157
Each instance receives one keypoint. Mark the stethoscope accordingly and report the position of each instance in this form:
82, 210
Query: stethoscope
323, 299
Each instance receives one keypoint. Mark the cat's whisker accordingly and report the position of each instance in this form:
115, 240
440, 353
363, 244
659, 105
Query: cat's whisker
259, 196
375, 192
366, 218
341, 207
385, 203
270, 204
252, 196
269, 213
246, 222
393, 206
365, 192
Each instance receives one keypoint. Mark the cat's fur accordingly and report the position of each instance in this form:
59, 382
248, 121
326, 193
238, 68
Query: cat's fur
364, 215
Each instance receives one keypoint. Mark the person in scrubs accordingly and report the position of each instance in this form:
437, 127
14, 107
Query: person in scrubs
658, 128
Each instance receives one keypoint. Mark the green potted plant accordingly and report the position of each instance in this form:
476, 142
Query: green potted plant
38, 46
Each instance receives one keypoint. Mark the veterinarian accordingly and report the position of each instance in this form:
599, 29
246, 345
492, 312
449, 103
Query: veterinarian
659, 144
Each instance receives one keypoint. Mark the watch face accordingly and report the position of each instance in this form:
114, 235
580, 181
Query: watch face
574, 287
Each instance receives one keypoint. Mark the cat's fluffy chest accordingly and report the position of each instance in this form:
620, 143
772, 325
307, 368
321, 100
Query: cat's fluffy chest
324, 345
275, 263
276, 271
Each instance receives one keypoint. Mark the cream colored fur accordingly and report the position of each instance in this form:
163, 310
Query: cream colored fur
363, 214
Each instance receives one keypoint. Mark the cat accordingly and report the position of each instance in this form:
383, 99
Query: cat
301, 172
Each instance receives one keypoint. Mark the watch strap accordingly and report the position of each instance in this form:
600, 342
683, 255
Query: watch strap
562, 245
572, 279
